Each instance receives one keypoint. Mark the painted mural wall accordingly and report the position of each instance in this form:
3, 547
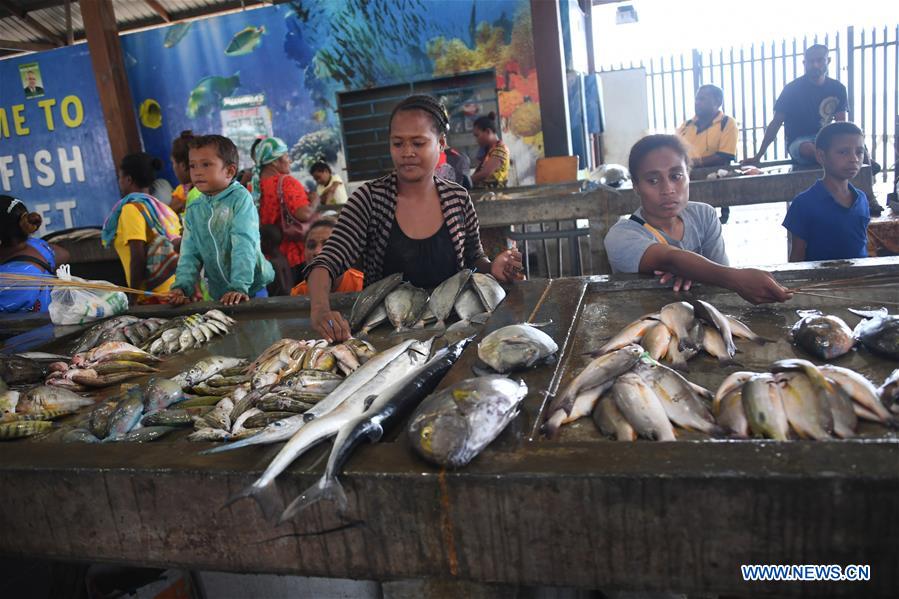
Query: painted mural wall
280, 68
54, 152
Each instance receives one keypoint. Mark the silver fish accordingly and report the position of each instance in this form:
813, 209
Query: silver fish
629, 335
489, 291
764, 408
730, 414
160, 393
611, 422
370, 297
680, 402
126, 416
453, 426
207, 368
878, 331
404, 306
468, 305
710, 314
146, 434
860, 389
515, 346
45, 397
443, 298
679, 317
639, 405
808, 413
656, 340
741, 330
715, 345
823, 336
376, 318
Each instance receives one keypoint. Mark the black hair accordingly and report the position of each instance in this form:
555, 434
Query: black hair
321, 223
180, 149
813, 47
716, 92
430, 106
825, 136
16, 223
320, 167
654, 142
486, 123
270, 236
141, 167
224, 147
253, 147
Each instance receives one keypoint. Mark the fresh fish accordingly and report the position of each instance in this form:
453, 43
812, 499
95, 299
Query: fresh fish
126, 415
45, 397
205, 389
374, 380
639, 405
679, 317
676, 356
209, 434
376, 318
238, 424
274, 403
9, 399
387, 408
245, 41
79, 435
160, 393
682, 405
117, 366
823, 336
879, 332
363, 349
98, 421
89, 377
514, 347
218, 316
489, 291
468, 305
709, 313
313, 381
611, 422
764, 408
146, 434
209, 92
732, 383
730, 414
404, 306
889, 390
656, 341
840, 404
371, 297
264, 419
443, 298
597, 377
37, 415
808, 412
629, 335
172, 417
23, 428
113, 351
861, 390
227, 381
453, 426
219, 416
90, 338
741, 330
713, 343
175, 33
18, 371
200, 401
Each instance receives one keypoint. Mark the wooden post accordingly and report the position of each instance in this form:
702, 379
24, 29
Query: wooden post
112, 82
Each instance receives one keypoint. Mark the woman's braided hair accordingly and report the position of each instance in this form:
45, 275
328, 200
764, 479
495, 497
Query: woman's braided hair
16, 223
431, 106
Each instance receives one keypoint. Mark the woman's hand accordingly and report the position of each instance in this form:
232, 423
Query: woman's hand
177, 298
759, 287
680, 283
330, 324
232, 298
507, 267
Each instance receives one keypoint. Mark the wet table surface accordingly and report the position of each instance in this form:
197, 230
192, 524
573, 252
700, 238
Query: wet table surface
578, 511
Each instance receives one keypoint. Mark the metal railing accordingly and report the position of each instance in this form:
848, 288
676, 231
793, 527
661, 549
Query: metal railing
866, 61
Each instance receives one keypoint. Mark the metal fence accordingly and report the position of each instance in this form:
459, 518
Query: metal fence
865, 61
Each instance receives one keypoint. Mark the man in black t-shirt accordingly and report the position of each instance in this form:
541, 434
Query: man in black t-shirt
804, 107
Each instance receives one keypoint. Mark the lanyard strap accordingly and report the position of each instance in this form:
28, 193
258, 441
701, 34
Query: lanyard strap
655, 232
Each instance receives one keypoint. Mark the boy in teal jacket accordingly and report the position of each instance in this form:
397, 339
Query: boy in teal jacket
221, 229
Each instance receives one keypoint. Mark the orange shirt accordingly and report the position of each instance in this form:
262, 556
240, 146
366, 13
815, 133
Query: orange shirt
350, 281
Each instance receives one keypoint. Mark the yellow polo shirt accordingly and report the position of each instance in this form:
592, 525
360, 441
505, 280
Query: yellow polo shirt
718, 138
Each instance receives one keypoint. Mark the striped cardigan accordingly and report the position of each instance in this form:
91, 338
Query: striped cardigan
367, 218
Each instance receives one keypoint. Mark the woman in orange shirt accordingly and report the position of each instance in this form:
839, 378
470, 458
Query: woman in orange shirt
318, 234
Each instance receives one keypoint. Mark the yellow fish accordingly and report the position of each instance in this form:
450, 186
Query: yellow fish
150, 114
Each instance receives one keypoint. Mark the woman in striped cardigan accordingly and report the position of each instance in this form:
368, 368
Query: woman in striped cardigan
408, 221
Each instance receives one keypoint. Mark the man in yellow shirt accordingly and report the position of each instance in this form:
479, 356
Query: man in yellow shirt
711, 135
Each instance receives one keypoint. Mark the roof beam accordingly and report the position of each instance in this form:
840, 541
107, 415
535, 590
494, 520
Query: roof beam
25, 46
30, 21
162, 12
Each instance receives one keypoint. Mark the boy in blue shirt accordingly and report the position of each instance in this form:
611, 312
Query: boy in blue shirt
221, 229
829, 220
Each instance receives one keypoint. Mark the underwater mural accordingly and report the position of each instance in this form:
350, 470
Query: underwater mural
297, 56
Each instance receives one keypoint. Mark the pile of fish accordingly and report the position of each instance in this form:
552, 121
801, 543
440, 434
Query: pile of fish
107, 364
630, 395
889, 392
680, 330
452, 427
125, 329
27, 413
798, 399
828, 337
188, 332
470, 295
516, 347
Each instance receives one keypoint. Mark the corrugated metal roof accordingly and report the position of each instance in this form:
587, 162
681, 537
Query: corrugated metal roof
130, 14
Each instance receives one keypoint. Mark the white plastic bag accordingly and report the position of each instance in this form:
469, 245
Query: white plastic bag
69, 305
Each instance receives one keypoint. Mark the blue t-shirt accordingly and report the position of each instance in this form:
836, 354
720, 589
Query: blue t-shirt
808, 107
830, 231
28, 300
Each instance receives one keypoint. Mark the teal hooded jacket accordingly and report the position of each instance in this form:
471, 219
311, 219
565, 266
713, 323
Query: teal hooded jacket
221, 233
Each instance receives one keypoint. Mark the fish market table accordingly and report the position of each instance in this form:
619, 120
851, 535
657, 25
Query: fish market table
883, 235
577, 511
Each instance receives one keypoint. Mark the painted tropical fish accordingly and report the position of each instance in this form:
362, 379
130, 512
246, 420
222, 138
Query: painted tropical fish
150, 114
176, 33
209, 92
245, 41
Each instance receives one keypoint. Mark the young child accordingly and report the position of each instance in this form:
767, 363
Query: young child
318, 234
221, 229
331, 189
271, 238
829, 220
